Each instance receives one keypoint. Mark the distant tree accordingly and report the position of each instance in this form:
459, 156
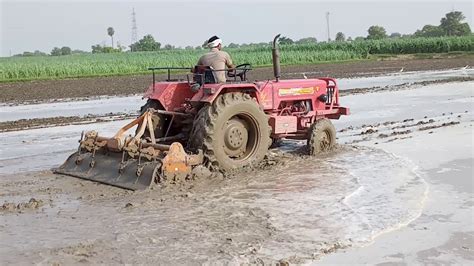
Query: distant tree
110, 32
285, 40
107, 50
77, 51
349, 39
56, 51
188, 47
233, 45
147, 43
99, 49
65, 50
307, 40
359, 38
395, 35
96, 49
340, 37
452, 26
376, 33
39, 53
169, 47
199, 47
430, 31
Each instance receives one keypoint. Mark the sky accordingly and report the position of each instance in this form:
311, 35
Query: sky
42, 24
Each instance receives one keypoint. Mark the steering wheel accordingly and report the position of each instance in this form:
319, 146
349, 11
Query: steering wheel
240, 71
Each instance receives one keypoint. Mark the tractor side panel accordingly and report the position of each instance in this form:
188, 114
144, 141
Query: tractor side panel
283, 124
171, 95
297, 90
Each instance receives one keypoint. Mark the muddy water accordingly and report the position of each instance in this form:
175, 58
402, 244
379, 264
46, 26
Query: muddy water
39, 149
404, 78
100, 106
296, 211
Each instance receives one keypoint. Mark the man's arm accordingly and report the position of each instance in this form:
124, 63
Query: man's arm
228, 61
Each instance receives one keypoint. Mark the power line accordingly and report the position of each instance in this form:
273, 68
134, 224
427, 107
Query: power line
134, 29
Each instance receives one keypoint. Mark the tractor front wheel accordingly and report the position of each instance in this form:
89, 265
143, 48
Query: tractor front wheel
233, 132
321, 137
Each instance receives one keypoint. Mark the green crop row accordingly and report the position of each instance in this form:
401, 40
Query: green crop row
56, 67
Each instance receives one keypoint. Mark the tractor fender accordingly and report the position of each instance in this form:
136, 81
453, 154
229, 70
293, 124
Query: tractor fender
210, 92
171, 95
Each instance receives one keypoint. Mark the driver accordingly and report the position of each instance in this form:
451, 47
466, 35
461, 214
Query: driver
216, 58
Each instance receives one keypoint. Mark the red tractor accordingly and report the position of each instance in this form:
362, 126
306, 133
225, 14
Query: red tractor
223, 126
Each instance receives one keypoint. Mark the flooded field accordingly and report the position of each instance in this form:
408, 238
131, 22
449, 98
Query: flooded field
296, 209
302, 209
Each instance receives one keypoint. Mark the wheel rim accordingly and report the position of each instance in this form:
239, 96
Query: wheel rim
325, 140
240, 138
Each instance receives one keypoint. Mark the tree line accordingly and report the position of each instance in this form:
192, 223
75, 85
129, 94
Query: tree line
450, 25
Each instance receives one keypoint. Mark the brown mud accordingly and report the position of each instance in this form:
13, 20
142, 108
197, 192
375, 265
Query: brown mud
398, 130
180, 213
34, 123
164, 224
207, 218
404, 86
51, 90
22, 206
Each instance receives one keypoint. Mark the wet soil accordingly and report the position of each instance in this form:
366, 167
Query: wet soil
22, 206
404, 86
25, 124
40, 91
389, 131
291, 208
236, 218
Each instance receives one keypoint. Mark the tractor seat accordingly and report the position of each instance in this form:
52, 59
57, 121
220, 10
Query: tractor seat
204, 75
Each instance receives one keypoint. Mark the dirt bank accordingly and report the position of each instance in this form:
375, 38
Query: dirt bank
85, 87
24, 124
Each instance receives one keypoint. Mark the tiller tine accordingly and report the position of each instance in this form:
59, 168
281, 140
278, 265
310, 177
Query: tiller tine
128, 162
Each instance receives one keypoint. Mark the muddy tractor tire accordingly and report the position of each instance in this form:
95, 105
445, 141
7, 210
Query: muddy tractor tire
233, 132
157, 120
322, 137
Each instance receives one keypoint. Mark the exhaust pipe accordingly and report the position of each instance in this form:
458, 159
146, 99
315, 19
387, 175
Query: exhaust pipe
276, 58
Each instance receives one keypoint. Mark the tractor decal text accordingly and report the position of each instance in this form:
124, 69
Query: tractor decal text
296, 91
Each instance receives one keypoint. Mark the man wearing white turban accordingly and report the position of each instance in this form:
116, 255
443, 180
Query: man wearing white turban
216, 58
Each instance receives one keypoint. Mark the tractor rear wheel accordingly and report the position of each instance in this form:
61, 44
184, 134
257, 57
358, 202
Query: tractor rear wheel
233, 132
322, 136
157, 120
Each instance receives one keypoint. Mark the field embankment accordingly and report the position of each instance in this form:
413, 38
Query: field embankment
50, 90
88, 65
